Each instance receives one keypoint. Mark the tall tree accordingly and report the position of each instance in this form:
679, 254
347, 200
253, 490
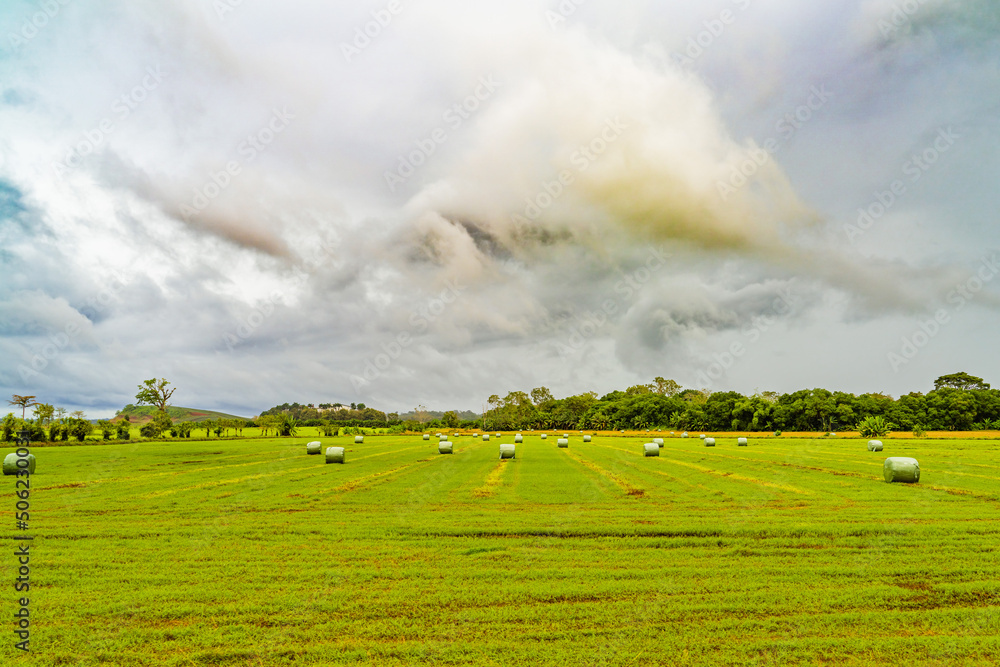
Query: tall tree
23, 401
961, 381
44, 413
154, 392
541, 395
666, 387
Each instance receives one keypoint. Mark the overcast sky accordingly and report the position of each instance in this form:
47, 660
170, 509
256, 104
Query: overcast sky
403, 203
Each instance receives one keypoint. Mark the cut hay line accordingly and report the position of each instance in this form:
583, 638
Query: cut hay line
381, 476
71, 485
209, 485
725, 474
744, 478
622, 484
491, 482
221, 482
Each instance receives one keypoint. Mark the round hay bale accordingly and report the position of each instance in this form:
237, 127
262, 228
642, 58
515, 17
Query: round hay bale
359, 439
443, 438
586, 438
475, 435
10, 466
498, 435
544, 436
455, 436
565, 435
335, 455
314, 447
486, 437
702, 436
562, 443
684, 434
518, 438
651, 449
427, 436
710, 442
507, 451
658, 441
874, 445
901, 469
741, 442
445, 448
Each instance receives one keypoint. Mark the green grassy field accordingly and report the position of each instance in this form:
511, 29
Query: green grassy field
252, 553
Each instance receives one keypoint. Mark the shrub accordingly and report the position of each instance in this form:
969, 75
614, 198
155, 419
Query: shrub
874, 426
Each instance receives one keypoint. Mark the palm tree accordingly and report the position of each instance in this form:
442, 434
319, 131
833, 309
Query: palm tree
24, 401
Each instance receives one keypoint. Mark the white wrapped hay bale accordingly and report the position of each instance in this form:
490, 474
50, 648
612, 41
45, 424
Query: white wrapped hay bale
498, 435
544, 436
443, 438
684, 434
507, 451
565, 435
444, 448
874, 445
518, 438
427, 436
651, 449
586, 438
10, 466
710, 442
901, 469
658, 441
702, 436
475, 435
314, 447
562, 443
335, 455
359, 439
486, 437
741, 442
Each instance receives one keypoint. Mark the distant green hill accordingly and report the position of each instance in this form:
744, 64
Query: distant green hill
143, 413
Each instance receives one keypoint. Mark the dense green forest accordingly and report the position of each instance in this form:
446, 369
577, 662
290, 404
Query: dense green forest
958, 402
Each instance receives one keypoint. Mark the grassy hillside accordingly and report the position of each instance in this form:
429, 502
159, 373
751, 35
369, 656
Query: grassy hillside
139, 414
787, 552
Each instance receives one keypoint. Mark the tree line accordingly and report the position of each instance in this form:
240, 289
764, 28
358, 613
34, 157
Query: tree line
958, 401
